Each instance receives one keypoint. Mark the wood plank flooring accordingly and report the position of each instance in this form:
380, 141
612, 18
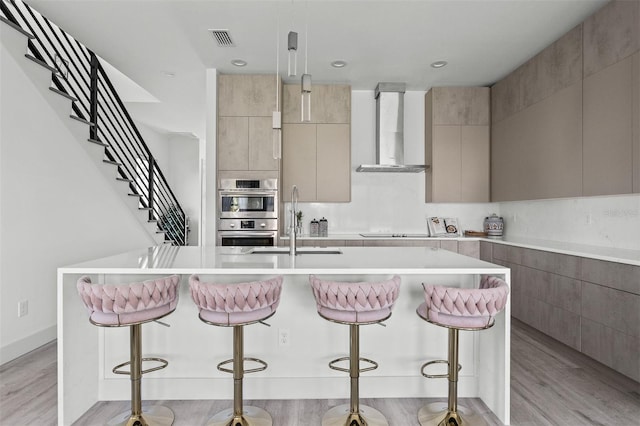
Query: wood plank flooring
551, 384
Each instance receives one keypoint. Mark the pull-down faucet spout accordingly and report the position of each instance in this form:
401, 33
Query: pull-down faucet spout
292, 229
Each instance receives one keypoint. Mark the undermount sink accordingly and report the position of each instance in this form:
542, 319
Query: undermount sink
302, 250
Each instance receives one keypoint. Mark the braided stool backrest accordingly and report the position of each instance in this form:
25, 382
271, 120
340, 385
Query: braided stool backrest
466, 307
126, 304
355, 301
225, 304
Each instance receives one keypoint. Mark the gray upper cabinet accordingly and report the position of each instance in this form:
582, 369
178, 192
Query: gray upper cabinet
457, 139
566, 123
245, 107
244, 95
316, 156
330, 104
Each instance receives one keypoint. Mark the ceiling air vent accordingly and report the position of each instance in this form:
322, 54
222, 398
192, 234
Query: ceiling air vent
222, 37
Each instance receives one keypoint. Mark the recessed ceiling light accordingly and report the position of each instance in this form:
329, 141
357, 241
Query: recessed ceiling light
338, 64
438, 64
238, 62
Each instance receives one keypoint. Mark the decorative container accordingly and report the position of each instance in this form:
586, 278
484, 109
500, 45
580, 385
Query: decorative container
324, 227
314, 228
494, 225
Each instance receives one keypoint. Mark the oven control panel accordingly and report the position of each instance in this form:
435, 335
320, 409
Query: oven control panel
248, 225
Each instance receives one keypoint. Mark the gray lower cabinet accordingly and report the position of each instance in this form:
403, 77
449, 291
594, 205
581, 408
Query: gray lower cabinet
590, 305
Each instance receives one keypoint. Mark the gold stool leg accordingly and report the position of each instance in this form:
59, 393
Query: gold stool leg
450, 414
354, 414
156, 415
240, 415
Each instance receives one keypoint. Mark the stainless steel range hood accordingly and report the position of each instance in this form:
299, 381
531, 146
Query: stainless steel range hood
390, 132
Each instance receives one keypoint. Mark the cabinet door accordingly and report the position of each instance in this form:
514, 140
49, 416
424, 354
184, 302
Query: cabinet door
446, 164
607, 131
299, 161
330, 103
246, 95
261, 144
474, 164
333, 149
233, 143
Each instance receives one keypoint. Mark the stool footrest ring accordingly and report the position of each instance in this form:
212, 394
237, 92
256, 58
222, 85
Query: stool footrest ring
163, 364
251, 370
436, 376
333, 363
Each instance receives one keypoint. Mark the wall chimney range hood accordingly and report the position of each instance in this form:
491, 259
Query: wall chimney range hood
390, 132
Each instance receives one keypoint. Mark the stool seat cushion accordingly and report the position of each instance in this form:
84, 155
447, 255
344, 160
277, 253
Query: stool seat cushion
127, 304
235, 304
355, 302
467, 308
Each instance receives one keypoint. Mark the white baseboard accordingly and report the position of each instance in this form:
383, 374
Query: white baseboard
27, 344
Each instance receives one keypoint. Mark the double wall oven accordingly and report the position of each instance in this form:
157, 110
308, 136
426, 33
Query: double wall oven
248, 212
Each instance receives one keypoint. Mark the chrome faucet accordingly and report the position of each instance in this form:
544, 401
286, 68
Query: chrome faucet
292, 229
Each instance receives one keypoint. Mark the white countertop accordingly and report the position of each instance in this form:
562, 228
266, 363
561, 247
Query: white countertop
238, 260
611, 254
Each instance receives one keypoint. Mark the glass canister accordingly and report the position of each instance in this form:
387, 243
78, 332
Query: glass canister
324, 227
314, 228
494, 225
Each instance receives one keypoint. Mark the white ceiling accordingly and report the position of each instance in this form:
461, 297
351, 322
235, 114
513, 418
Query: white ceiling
392, 40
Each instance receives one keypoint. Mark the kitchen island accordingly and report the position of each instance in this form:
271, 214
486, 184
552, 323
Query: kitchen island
299, 343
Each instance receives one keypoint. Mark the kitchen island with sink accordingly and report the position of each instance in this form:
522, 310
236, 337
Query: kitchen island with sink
299, 343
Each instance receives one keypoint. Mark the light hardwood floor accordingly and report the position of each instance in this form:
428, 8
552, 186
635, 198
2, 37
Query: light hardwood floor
551, 384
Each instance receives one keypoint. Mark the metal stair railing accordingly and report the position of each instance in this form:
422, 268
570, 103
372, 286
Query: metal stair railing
80, 75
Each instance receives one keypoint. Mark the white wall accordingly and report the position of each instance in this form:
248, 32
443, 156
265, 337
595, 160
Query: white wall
184, 178
179, 159
208, 158
389, 202
56, 206
608, 221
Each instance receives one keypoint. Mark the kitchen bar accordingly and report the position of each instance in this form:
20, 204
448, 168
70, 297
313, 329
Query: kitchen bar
298, 368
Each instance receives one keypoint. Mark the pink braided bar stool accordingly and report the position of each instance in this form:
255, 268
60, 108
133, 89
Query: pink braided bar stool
354, 304
237, 305
458, 309
131, 305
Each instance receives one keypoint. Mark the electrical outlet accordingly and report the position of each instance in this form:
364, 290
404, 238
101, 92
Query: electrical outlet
23, 308
283, 337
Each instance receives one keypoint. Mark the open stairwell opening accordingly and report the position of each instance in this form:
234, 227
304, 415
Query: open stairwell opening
77, 74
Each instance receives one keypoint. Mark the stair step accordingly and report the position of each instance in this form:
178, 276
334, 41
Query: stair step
115, 163
153, 221
145, 208
60, 92
39, 62
97, 142
160, 232
124, 180
134, 195
16, 27
82, 120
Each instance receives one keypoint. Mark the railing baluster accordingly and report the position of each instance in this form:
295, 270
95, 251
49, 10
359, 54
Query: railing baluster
93, 104
152, 165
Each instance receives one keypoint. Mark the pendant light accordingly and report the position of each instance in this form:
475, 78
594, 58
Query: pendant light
305, 84
292, 46
277, 114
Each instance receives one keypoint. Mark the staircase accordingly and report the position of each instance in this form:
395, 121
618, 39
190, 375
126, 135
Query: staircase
112, 137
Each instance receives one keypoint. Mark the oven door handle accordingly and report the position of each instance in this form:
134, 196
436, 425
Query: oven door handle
227, 193
246, 233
